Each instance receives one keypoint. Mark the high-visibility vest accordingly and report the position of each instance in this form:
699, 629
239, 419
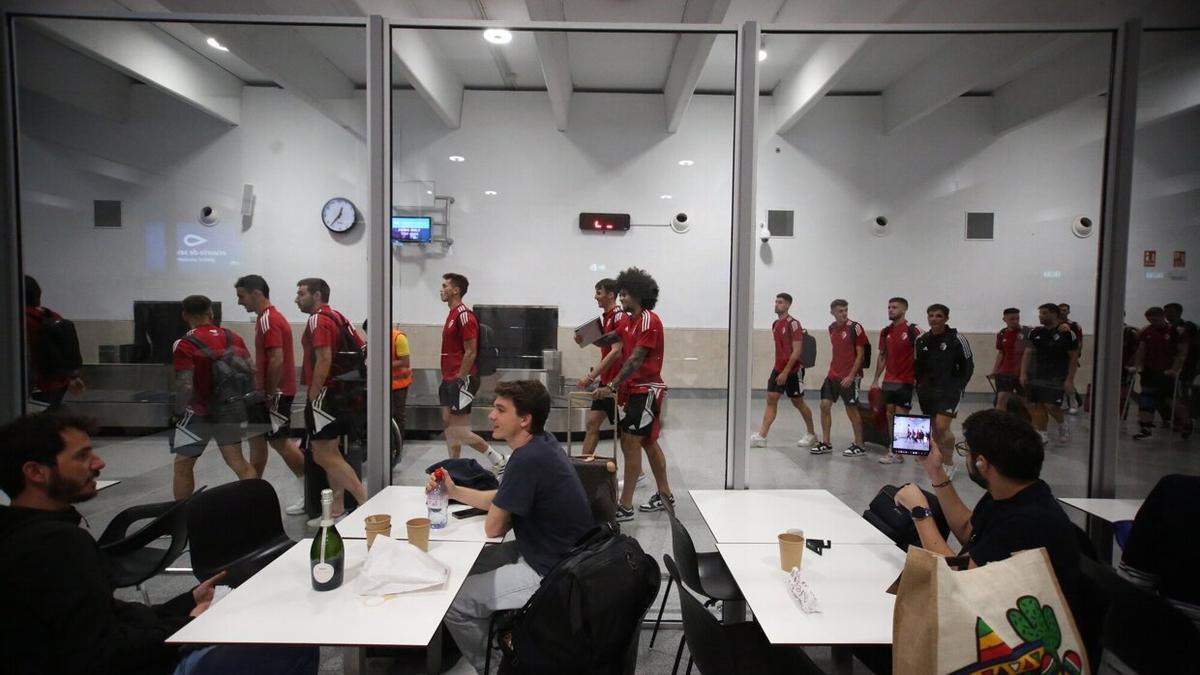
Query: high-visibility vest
401, 377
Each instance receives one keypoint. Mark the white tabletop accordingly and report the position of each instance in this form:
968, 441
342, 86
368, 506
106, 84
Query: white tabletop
403, 502
760, 516
101, 484
1111, 510
279, 606
850, 582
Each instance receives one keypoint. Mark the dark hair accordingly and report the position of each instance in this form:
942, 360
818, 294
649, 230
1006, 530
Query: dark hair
458, 281
1008, 442
253, 282
316, 285
529, 397
1064, 304
639, 284
1011, 310
33, 438
33, 292
1155, 311
1052, 308
938, 307
1174, 306
785, 296
899, 300
197, 305
838, 303
607, 285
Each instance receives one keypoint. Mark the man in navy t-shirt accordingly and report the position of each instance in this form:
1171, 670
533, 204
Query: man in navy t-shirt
540, 499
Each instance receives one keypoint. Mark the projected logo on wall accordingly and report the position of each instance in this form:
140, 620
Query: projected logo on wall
197, 246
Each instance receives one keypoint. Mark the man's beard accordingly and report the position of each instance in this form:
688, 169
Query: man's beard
61, 489
973, 474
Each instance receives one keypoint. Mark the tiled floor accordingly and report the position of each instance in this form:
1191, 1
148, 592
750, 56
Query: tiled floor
694, 442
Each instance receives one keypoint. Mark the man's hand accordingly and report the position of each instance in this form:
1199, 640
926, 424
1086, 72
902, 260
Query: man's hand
848, 380
446, 480
199, 609
781, 379
602, 392
203, 594
76, 385
1064, 327
911, 496
932, 463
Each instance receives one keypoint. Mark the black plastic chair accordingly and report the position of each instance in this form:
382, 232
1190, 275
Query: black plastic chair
236, 527
131, 558
704, 573
718, 648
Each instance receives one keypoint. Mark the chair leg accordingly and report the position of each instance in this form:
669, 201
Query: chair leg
487, 656
678, 655
689, 670
658, 621
145, 593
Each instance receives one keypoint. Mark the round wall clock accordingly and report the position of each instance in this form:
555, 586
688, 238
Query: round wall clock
339, 214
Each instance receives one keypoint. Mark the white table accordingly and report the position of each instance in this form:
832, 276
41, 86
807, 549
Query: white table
102, 484
760, 516
403, 502
1108, 510
279, 606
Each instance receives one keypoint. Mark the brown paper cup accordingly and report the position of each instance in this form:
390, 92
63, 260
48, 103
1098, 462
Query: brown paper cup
791, 548
418, 533
376, 525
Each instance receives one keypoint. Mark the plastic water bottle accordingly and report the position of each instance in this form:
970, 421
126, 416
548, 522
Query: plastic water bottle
438, 501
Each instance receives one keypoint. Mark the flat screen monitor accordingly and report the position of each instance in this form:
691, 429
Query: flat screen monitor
412, 228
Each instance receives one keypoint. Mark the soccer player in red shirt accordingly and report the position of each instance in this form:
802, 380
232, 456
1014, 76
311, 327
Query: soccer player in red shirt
1160, 357
1010, 344
270, 417
48, 389
787, 374
640, 386
613, 323
1188, 335
327, 419
460, 376
849, 341
896, 343
198, 419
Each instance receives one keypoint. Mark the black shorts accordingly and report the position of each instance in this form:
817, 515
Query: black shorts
608, 406
325, 419
793, 387
1008, 384
1046, 393
1157, 388
259, 416
832, 390
191, 434
937, 401
451, 396
642, 414
899, 394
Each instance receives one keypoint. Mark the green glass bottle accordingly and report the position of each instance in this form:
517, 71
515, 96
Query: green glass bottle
327, 558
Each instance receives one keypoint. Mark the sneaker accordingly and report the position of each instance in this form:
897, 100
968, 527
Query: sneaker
316, 522
1045, 437
296, 509
498, 467
624, 515
1142, 434
807, 441
821, 448
1064, 434
854, 450
950, 471
891, 458
757, 441
656, 503
1073, 410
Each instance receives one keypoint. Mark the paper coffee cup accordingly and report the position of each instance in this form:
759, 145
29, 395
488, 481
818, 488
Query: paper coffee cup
418, 533
375, 525
791, 549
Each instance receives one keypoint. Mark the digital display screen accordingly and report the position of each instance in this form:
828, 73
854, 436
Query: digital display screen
604, 222
910, 434
412, 228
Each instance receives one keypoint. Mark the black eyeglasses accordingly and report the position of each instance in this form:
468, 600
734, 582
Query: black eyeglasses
962, 448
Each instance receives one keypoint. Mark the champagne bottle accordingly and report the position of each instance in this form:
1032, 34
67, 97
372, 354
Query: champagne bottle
327, 557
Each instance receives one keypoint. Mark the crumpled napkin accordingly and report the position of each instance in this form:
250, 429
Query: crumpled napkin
395, 566
803, 592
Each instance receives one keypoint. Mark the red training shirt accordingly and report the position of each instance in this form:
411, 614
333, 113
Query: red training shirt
461, 326
901, 351
272, 331
786, 331
188, 356
644, 330
613, 320
1160, 347
845, 339
1008, 343
322, 331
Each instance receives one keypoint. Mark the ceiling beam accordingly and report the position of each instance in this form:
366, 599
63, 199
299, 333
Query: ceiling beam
552, 52
691, 53
962, 64
798, 92
51, 68
1172, 88
148, 55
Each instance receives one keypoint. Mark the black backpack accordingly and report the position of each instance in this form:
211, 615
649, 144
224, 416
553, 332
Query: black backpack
587, 612
487, 355
896, 523
232, 378
349, 364
808, 348
60, 346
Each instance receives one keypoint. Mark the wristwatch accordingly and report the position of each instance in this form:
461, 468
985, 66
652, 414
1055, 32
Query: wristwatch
919, 513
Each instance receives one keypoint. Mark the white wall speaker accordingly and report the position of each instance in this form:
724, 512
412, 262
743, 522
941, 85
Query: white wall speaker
247, 200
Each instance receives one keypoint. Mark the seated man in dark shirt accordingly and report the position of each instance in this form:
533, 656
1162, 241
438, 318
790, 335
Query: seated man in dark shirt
57, 611
540, 499
1004, 456
1160, 555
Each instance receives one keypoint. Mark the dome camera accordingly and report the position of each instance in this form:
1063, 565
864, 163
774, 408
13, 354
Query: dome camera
208, 216
1082, 227
681, 223
764, 233
880, 227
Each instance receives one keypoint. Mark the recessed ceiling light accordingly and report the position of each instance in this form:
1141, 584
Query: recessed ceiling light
457, 158
762, 55
212, 42
664, 196
497, 36
490, 193
686, 162
429, 192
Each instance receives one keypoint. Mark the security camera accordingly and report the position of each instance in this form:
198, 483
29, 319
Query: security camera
880, 227
881, 221
681, 223
764, 233
208, 216
1082, 227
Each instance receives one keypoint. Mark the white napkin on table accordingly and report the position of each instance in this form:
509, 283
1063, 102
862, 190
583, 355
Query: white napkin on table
803, 592
396, 566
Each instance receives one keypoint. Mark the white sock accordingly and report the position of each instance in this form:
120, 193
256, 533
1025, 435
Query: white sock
300, 486
493, 456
